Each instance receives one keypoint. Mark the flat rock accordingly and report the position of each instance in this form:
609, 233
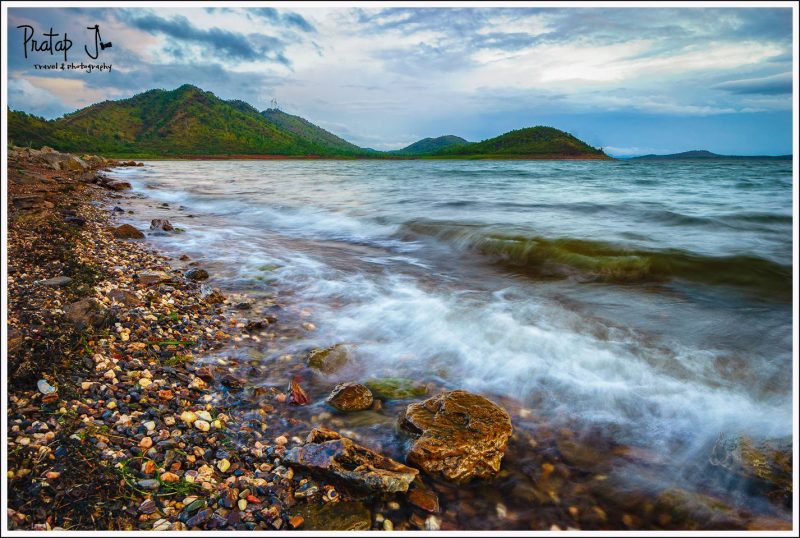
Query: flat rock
328, 453
459, 435
395, 388
56, 282
340, 516
149, 278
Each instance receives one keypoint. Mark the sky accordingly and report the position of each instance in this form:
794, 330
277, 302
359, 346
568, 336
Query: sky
630, 80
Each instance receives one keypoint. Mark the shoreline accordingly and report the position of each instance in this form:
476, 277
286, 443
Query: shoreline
174, 362
245, 157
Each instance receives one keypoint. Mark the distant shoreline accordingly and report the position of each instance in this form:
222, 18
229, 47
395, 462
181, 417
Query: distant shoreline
244, 157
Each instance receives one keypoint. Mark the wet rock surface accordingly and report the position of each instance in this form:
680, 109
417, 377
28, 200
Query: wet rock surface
330, 359
329, 453
459, 435
350, 397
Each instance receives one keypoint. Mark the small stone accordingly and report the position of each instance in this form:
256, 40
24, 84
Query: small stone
144, 382
223, 465
150, 425
242, 504
205, 415
188, 417
146, 442
147, 507
148, 484
281, 440
170, 477
202, 425
296, 521
45, 387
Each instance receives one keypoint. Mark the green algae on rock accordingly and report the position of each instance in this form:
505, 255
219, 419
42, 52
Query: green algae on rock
395, 388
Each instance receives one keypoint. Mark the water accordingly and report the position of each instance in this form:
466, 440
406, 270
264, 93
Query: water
649, 301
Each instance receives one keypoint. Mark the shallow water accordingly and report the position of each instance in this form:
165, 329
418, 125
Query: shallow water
647, 301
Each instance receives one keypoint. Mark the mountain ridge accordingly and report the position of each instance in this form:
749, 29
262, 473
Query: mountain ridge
193, 123
702, 154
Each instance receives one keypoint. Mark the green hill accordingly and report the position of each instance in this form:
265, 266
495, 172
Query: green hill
427, 146
529, 143
310, 132
184, 121
188, 121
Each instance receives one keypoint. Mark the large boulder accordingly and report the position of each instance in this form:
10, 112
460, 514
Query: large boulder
73, 163
459, 435
350, 397
336, 457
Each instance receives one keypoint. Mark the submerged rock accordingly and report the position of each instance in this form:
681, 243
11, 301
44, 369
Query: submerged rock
340, 516
396, 388
764, 466
350, 397
460, 435
126, 231
329, 359
328, 453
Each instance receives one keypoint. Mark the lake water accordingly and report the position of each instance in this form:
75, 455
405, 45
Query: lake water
648, 301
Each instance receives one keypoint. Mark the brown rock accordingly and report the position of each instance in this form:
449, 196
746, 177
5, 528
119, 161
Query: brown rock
330, 454
424, 499
126, 231
125, 297
197, 274
460, 435
350, 397
162, 225
86, 313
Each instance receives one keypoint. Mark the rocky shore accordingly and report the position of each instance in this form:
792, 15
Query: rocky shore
119, 420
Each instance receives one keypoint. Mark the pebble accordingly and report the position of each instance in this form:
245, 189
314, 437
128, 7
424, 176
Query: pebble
242, 504
223, 465
202, 425
146, 442
188, 417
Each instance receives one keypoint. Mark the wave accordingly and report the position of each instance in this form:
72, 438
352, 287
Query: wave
602, 261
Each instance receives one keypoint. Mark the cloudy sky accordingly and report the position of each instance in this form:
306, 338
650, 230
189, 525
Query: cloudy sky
633, 81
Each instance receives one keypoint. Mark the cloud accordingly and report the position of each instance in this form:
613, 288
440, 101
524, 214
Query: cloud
288, 18
214, 40
771, 85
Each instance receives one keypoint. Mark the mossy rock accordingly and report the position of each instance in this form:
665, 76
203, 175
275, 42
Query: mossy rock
329, 359
395, 388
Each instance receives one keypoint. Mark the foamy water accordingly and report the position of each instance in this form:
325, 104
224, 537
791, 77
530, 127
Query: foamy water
651, 299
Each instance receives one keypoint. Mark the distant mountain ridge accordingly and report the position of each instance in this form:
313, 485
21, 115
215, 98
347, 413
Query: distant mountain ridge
190, 122
428, 146
701, 154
